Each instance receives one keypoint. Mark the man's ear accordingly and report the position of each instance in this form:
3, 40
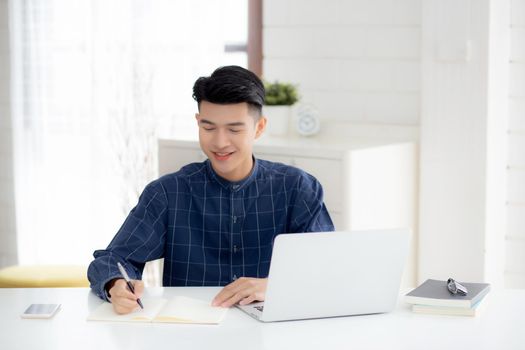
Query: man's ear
197, 117
260, 126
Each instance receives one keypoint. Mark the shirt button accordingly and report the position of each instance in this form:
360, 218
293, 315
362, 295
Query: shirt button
235, 187
234, 277
235, 249
234, 219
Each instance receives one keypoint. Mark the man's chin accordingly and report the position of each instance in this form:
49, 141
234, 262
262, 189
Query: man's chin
221, 168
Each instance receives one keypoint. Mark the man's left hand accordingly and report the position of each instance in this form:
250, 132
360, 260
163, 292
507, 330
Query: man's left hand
243, 291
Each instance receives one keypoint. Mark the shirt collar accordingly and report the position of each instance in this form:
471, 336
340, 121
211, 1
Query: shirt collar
233, 186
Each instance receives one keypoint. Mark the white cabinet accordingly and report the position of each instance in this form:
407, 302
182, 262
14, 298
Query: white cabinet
368, 184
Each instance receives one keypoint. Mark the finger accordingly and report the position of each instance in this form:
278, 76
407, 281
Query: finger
123, 296
232, 301
123, 293
258, 294
221, 297
121, 290
251, 298
119, 309
226, 293
232, 289
139, 288
125, 303
238, 297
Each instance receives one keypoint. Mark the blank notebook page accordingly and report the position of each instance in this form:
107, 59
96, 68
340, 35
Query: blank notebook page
152, 307
176, 310
188, 310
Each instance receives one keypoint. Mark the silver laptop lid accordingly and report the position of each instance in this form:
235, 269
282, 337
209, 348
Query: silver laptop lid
328, 274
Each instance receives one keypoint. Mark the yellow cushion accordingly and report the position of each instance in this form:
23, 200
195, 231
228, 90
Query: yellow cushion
43, 276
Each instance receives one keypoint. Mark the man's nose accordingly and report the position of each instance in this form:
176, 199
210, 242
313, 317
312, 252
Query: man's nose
221, 139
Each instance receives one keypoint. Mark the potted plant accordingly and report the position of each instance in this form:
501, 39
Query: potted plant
280, 98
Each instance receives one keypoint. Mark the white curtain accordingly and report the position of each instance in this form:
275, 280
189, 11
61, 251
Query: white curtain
95, 83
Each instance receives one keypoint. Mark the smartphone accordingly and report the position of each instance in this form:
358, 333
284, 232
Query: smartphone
41, 311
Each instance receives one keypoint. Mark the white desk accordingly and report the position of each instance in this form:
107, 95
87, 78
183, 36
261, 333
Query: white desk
500, 326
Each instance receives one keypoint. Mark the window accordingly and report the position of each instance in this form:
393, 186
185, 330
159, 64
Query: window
95, 83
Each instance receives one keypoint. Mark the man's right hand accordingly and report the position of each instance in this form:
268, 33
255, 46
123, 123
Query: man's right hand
121, 297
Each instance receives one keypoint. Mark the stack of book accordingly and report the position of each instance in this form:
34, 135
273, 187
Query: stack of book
433, 297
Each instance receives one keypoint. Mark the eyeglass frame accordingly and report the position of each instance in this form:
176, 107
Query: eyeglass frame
456, 288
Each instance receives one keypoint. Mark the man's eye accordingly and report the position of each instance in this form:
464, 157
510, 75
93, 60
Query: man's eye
235, 131
208, 129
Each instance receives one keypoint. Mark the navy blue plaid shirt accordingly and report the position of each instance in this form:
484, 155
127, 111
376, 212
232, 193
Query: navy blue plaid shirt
211, 231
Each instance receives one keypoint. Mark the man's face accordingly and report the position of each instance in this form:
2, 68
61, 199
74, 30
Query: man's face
226, 135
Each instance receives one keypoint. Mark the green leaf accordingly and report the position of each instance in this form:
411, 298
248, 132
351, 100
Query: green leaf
280, 94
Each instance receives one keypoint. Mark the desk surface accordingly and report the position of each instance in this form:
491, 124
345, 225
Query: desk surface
500, 326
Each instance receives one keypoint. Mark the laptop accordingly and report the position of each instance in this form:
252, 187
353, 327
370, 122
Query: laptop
330, 274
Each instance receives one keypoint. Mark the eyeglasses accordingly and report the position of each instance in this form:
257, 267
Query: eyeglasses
456, 288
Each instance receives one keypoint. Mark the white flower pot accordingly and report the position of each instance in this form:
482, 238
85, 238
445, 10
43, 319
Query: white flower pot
278, 119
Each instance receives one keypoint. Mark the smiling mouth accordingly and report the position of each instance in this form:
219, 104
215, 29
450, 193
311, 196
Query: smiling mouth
222, 155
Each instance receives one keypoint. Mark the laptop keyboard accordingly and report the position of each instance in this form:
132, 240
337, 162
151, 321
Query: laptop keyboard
260, 308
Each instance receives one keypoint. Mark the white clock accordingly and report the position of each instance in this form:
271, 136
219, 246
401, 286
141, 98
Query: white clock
308, 122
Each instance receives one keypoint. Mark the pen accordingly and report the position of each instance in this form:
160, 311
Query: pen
128, 281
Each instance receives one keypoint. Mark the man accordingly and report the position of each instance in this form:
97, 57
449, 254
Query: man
214, 222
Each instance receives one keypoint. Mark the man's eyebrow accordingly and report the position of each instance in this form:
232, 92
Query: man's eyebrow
236, 124
206, 121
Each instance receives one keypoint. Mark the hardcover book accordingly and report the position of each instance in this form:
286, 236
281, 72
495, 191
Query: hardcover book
449, 310
435, 293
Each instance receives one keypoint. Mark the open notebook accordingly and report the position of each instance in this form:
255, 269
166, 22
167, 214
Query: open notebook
179, 309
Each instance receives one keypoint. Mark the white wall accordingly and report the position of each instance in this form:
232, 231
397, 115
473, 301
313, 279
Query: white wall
361, 63
357, 61
7, 209
515, 262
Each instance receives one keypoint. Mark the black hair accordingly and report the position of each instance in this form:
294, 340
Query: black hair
231, 84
